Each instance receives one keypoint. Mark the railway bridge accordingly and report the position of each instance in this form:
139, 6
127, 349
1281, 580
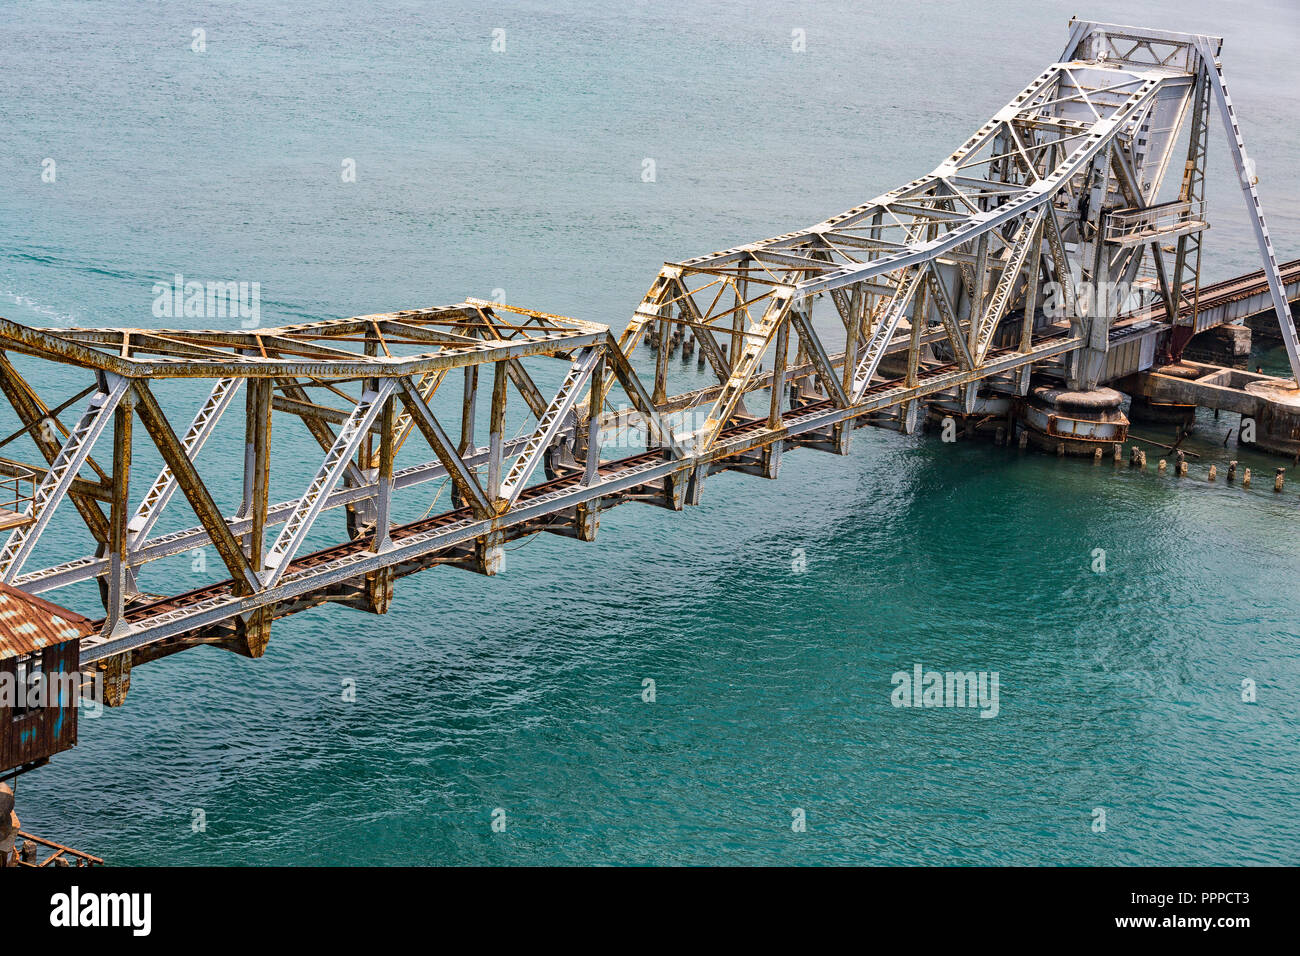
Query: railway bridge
535, 422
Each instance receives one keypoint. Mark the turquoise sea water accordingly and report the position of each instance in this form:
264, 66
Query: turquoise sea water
521, 171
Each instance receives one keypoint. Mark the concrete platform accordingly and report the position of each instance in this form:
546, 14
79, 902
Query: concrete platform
1272, 403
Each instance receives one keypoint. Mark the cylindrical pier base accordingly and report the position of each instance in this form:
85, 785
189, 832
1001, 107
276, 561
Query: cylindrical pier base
1080, 421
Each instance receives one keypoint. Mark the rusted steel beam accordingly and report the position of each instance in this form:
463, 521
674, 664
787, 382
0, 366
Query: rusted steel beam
427, 424
469, 410
496, 434
119, 515
195, 491
257, 466
320, 431
380, 540
319, 362
32, 411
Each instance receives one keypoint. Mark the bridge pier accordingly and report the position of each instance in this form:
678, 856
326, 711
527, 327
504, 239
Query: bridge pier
1227, 345
1073, 422
253, 633
490, 553
1277, 428
377, 591
581, 522
116, 672
1269, 403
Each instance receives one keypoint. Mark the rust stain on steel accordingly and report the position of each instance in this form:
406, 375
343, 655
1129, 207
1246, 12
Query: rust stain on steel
29, 624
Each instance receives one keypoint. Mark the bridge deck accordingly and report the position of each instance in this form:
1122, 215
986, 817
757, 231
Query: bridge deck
930, 290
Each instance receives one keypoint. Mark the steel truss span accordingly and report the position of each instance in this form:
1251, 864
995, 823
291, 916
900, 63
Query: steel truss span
934, 290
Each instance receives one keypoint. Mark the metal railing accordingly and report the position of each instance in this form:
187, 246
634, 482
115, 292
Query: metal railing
1152, 221
17, 486
34, 852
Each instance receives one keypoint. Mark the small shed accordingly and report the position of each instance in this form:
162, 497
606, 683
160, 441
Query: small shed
40, 679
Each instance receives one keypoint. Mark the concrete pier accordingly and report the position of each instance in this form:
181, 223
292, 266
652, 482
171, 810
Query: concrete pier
1269, 406
1228, 345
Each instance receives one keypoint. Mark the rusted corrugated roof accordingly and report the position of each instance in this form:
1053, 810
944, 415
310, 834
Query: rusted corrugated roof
28, 623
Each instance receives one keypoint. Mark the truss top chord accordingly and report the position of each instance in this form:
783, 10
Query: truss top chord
383, 345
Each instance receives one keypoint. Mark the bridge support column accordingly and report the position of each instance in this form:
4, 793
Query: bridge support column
675, 490
771, 460
1228, 345
490, 553
253, 632
581, 522
587, 520
841, 437
377, 589
117, 678
1074, 422
695, 485
1143, 409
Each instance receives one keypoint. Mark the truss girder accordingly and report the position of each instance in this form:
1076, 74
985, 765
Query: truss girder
327, 476
58, 480
954, 253
883, 332
548, 425
165, 485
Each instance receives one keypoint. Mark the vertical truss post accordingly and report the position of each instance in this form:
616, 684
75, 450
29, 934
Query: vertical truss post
1192, 189
920, 311
591, 471
851, 338
496, 427
774, 411
468, 410
370, 349
257, 465
384, 495
977, 292
119, 511
741, 290
1033, 281
664, 332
